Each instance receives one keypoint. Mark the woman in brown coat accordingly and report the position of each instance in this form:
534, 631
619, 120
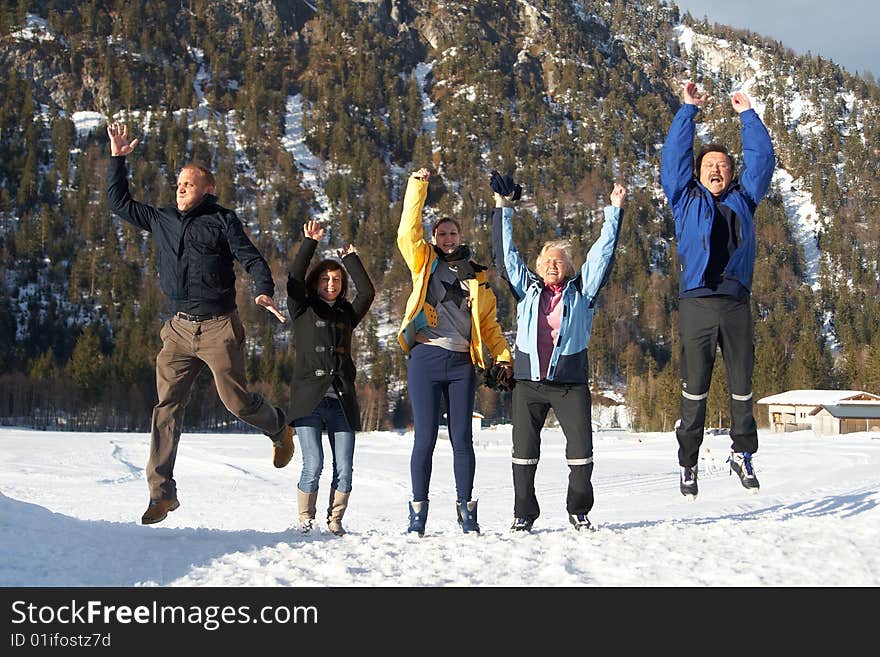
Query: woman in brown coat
323, 390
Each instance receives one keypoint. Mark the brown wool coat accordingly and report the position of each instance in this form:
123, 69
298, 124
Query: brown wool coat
322, 337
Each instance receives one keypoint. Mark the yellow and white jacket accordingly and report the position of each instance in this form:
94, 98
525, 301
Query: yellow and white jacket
421, 259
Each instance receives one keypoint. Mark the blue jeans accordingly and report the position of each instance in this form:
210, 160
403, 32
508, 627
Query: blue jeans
327, 414
432, 373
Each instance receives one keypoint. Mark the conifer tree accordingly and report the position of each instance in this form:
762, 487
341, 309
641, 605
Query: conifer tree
86, 367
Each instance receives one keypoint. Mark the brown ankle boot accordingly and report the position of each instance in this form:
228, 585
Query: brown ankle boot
158, 510
283, 448
307, 503
338, 504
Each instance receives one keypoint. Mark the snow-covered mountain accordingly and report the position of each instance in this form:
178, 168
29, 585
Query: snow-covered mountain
320, 110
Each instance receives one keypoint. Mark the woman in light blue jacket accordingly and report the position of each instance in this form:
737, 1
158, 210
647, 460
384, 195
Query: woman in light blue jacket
555, 306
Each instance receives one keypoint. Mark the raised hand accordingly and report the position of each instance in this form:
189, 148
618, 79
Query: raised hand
618, 195
740, 102
313, 230
269, 304
422, 174
345, 250
690, 95
501, 201
119, 144
505, 190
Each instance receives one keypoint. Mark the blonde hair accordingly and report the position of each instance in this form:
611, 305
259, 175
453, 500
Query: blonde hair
564, 247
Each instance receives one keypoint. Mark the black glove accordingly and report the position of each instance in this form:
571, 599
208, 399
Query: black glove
505, 186
499, 377
504, 376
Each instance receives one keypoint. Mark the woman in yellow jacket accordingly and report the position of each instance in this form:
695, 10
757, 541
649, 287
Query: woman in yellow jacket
448, 327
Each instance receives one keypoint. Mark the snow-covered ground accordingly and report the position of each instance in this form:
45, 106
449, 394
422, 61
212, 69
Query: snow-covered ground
70, 505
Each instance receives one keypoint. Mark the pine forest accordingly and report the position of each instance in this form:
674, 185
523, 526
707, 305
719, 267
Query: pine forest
322, 109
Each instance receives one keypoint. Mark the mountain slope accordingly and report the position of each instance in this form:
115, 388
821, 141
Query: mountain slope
322, 109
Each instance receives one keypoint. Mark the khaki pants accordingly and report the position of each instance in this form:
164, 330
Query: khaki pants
186, 348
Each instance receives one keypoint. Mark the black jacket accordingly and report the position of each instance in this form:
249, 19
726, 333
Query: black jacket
195, 249
322, 337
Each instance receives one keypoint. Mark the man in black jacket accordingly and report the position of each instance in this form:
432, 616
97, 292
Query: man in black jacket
196, 243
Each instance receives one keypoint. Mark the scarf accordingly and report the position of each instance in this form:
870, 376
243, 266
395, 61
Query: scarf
459, 261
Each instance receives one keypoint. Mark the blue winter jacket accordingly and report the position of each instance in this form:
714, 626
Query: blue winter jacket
694, 208
568, 362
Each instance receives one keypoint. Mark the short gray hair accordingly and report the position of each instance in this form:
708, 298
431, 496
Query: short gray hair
563, 246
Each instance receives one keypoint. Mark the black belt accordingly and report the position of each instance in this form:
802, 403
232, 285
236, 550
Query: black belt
198, 318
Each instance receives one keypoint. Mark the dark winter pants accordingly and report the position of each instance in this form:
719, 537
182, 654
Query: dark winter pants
186, 348
432, 372
571, 404
703, 324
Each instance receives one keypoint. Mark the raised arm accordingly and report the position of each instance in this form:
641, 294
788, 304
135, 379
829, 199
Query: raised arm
410, 234
506, 193
366, 291
677, 160
296, 276
597, 266
517, 272
498, 242
504, 253
759, 158
118, 195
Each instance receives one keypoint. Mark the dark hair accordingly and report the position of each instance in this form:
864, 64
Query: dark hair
713, 148
205, 171
315, 274
444, 220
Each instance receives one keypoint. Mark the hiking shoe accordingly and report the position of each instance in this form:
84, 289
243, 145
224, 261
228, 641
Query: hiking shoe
521, 525
158, 510
283, 448
467, 516
580, 521
418, 516
741, 464
688, 484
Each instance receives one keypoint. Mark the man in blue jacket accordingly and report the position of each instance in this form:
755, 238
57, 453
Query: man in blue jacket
714, 227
